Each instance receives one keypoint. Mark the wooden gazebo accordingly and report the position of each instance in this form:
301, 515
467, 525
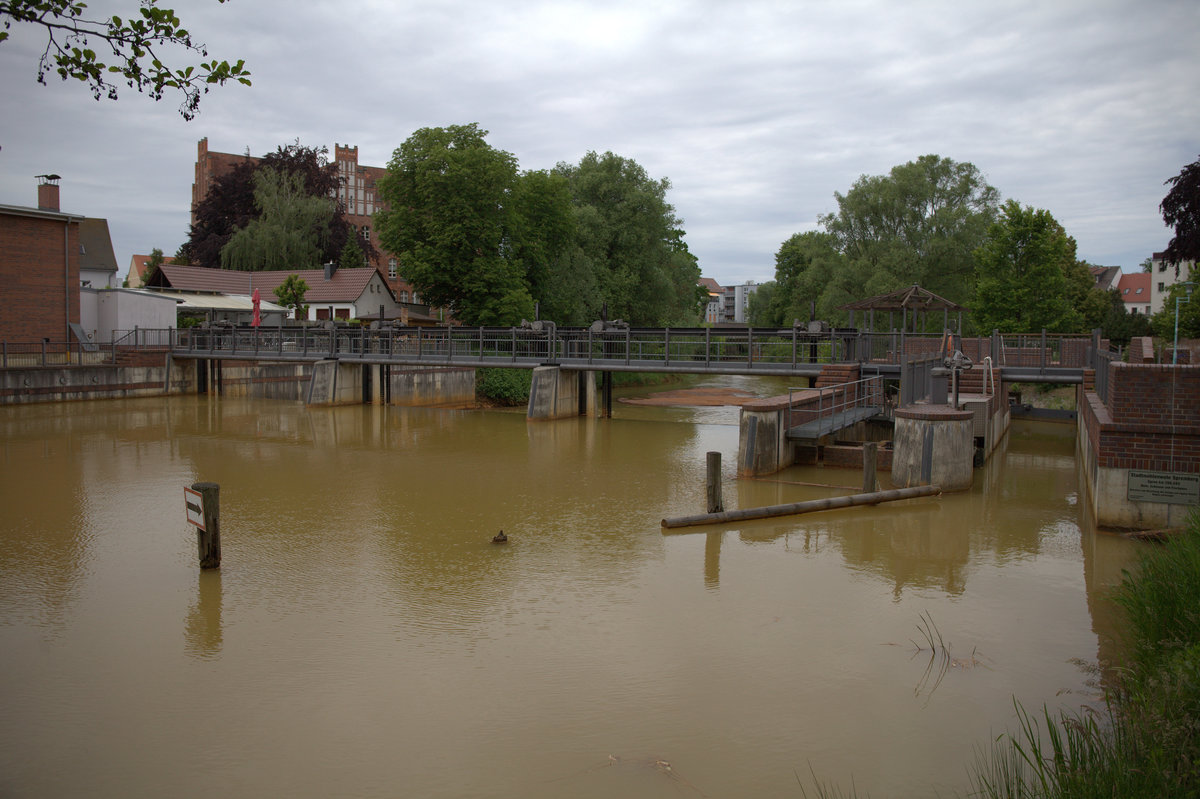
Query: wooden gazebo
913, 301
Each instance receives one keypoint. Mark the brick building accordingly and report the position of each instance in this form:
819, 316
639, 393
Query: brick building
356, 195
39, 268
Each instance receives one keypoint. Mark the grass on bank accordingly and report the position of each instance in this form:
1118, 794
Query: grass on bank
1146, 742
510, 387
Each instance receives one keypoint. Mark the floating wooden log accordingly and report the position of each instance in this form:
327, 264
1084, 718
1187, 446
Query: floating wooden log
829, 503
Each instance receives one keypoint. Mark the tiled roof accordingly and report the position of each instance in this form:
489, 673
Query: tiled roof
137, 266
711, 285
1129, 285
346, 285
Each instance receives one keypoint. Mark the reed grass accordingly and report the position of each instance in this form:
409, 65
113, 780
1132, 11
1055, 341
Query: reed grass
1146, 741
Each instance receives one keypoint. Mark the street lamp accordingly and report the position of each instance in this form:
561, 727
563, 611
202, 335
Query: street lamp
1188, 285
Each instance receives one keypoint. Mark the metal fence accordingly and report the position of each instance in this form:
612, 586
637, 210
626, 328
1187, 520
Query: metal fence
836, 399
748, 350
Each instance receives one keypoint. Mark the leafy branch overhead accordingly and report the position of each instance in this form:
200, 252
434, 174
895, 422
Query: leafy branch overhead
132, 55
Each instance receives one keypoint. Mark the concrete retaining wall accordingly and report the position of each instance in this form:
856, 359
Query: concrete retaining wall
433, 387
21, 386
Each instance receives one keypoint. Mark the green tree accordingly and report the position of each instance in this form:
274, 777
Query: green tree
451, 224
1023, 274
133, 46
290, 294
921, 224
811, 274
762, 310
290, 231
542, 237
1163, 322
152, 265
352, 255
1181, 211
1091, 303
629, 243
1118, 325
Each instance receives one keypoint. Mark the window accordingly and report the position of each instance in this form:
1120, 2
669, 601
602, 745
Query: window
366, 231
1125, 291
1162, 287
404, 296
391, 268
1139, 291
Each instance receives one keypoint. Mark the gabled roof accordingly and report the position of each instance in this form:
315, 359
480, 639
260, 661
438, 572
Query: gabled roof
713, 286
95, 246
912, 298
1105, 276
1129, 285
346, 285
137, 267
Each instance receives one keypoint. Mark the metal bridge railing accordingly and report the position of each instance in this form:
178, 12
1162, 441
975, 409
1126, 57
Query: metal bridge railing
632, 349
840, 398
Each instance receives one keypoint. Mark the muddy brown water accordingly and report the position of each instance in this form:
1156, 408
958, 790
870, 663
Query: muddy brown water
365, 638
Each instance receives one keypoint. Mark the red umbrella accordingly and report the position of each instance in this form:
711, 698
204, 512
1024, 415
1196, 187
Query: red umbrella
256, 320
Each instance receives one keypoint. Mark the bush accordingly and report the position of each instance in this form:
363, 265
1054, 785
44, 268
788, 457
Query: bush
503, 386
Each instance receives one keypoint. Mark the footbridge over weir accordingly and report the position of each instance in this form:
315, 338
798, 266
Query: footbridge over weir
789, 352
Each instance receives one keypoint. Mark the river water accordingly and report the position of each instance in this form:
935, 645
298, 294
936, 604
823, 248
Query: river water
364, 637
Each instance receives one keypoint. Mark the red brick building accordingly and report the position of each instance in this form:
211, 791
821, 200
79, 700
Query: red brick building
356, 195
39, 269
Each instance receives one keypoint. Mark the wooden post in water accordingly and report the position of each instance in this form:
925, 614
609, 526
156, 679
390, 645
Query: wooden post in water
208, 536
869, 450
713, 483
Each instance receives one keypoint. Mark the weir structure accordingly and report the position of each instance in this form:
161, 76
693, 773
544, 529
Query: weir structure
1139, 424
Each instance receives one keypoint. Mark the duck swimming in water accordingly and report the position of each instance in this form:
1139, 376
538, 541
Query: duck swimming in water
500, 538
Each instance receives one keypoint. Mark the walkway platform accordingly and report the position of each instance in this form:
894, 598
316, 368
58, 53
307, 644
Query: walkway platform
811, 432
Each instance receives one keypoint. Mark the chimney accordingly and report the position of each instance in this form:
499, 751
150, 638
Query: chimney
330, 268
48, 192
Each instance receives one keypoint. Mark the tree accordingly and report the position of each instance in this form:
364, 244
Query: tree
290, 294
762, 311
1023, 268
351, 256
1163, 322
1119, 326
291, 231
629, 243
230, 204
152, 265
812, 275
133, 44
921, 224
451, 223
1181, 211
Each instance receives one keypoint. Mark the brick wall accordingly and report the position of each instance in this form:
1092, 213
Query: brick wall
1151, 421
38, 298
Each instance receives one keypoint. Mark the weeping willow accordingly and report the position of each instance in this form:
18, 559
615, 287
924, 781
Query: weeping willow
290, 232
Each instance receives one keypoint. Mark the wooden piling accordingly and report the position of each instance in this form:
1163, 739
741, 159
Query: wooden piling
829, 503
869, 450
208, 537
713, 483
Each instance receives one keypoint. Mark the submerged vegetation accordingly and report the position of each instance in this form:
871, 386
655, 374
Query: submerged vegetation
1146, 741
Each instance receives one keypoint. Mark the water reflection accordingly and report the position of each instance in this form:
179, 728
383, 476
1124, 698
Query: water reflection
363, 618
203, 634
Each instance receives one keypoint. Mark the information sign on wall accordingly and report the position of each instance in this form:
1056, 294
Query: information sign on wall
1170, 487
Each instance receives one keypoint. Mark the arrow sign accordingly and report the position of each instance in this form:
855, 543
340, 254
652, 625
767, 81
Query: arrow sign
193, 503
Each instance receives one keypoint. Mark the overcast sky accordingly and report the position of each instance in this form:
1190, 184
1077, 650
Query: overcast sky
757, 112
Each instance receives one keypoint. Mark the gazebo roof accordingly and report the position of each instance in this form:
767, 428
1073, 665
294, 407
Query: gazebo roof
912, 298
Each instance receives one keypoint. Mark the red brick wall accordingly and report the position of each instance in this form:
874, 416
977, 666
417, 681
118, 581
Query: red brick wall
1152, 420
34, 302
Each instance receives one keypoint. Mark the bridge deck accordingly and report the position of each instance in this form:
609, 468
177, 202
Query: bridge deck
827, 425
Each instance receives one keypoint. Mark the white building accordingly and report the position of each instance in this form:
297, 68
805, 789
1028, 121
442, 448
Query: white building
1164, 275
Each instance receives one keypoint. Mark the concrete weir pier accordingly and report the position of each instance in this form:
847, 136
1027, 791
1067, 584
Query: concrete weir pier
934, 445
557, 393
